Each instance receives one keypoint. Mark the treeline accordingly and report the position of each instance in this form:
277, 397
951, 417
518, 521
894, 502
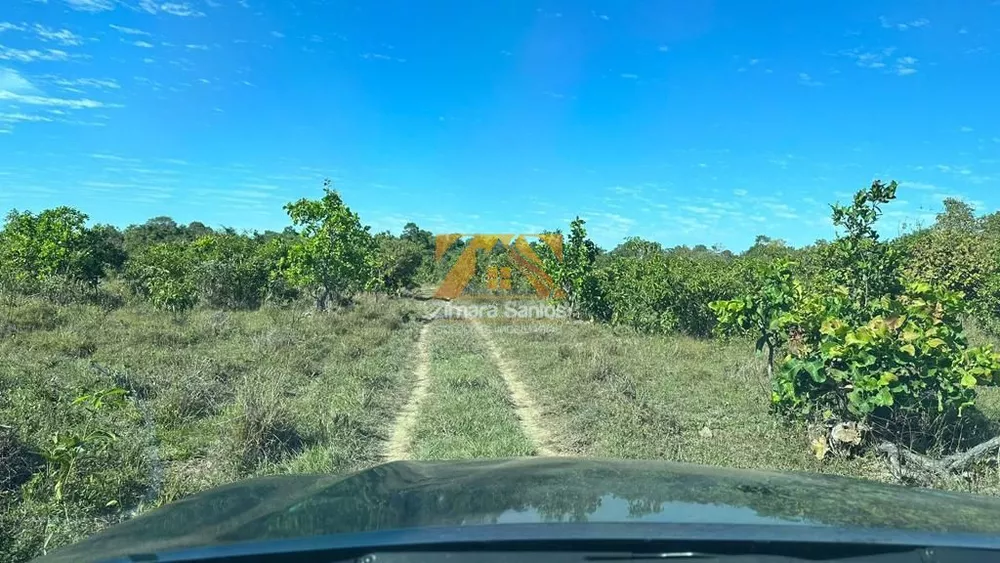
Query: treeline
326, 255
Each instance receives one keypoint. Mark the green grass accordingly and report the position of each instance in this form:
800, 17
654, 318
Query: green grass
214, 397
468, 412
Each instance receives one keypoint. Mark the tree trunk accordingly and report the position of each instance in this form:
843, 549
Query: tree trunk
322, 300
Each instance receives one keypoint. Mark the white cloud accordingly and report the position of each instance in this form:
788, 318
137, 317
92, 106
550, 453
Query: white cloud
904, 66
966, 129
87, 82
921, 22
91, 5
7, 26
663, 48
194, 47
22, 117
629, 75
61, 36
277, 34
806, 80
12, 81
381, 57
963, 31
129, 30
181, 9
31, 55
47, 101
739, 193
143, 44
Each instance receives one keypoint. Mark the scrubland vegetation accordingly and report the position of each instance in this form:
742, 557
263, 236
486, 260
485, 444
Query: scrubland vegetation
141, 365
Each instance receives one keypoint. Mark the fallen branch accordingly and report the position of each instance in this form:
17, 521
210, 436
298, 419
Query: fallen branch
907, 465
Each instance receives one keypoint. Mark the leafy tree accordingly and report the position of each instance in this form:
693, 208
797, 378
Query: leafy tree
53, 243
574, 274
858, 260
762, 312
334, 252
957, 216
163, 273
423, 239
866, 348
396, 263
229, 271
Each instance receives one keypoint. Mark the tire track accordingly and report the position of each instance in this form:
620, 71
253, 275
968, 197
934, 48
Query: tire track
525, 408
399, 444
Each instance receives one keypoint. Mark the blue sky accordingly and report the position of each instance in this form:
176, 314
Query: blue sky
684, 122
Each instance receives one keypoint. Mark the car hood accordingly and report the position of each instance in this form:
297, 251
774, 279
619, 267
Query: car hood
407, 495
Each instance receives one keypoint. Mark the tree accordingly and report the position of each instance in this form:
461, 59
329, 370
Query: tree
55, 242
957, 216
163, 274
574, 274
229, 271
333, 253
396, 263
413, 233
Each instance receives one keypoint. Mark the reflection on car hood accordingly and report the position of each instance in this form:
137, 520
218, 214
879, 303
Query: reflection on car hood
403, 495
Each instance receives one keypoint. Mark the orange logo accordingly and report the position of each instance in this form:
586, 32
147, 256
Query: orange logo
522, 255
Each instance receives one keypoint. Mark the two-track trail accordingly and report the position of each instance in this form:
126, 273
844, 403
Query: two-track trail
527, 412
399, 444
467, 401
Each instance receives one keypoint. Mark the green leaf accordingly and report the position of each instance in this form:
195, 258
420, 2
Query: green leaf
934, 343
969, 381
909, 349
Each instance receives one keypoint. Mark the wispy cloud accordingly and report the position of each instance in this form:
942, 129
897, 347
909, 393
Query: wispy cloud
629, 75
61, 36
75, 83
663, 48
966, 129
904, 66
7, 26
129, 30
31, 55
195, 47
91, 5
12, 81
143, 44
277, 34
599, 16
47, 101
806, 80
21, 117
181, 9
381, 57
903, 26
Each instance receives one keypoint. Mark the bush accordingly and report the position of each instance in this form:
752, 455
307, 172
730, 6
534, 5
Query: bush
868, 349
163, 274
910, 360
230, 272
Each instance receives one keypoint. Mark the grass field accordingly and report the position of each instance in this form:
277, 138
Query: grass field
217, 397
213, 397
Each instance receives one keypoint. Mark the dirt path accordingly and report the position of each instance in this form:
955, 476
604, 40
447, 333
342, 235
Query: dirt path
399, 444
525, 407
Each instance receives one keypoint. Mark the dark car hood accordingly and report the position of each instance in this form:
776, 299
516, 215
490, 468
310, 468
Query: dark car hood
405, 495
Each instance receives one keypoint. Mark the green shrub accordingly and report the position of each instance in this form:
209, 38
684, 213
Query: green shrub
910, 359
163, 274
229, 271
861, 345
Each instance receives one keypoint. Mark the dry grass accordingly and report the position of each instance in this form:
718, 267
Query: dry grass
213, 397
